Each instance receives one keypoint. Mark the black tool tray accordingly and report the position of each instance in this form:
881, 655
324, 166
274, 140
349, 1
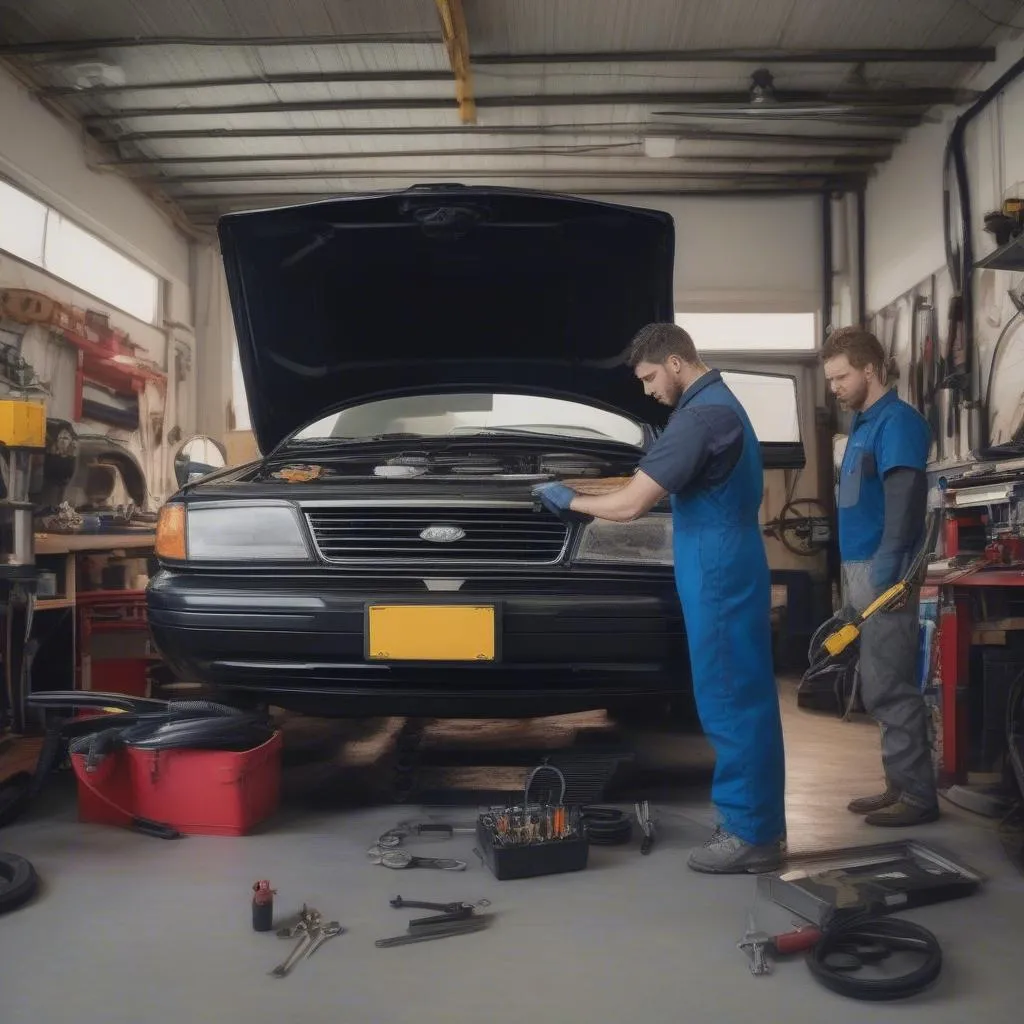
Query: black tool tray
881, 879
547, 857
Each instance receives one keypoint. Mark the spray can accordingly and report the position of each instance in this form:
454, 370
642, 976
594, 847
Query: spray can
262, 906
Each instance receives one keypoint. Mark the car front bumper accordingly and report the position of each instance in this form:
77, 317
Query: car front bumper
300, 644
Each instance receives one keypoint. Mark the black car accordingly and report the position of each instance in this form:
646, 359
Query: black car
415, 364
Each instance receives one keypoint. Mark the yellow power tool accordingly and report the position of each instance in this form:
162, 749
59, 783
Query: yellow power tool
837, 642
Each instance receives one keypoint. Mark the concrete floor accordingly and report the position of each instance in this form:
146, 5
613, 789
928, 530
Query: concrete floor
132, 929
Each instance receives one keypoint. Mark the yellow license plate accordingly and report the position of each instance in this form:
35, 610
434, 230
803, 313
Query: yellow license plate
431, 633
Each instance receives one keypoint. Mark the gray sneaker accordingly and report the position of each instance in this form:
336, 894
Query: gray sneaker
726, 854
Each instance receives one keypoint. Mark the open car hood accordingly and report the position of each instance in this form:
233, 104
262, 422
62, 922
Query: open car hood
442, 286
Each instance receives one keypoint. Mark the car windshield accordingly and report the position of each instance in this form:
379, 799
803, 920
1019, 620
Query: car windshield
466, 415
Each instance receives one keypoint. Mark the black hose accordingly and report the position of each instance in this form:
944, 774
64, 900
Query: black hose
887, 934
962, 280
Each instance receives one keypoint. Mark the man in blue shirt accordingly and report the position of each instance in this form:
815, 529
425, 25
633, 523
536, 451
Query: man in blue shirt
709, 460
882, 499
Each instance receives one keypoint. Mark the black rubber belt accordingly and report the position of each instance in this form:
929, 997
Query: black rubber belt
896, 936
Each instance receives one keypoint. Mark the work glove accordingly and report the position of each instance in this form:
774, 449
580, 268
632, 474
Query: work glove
557, 498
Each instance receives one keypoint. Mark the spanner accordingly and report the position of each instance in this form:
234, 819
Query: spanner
301, 949
399, 859
394, 836
444, 908
327, 931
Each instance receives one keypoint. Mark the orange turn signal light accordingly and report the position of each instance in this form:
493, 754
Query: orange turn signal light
170, 533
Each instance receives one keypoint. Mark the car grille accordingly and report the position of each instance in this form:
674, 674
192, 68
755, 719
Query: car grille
498, 535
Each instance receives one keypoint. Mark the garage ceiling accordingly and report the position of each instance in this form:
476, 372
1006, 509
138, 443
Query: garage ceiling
222, 105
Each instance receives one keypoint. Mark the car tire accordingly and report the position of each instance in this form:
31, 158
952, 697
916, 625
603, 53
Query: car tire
18, 882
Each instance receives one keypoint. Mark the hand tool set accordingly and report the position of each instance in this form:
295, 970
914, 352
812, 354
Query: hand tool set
534, 838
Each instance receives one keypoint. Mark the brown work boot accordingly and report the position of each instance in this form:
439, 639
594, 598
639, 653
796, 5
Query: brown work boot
903, 815
870, 804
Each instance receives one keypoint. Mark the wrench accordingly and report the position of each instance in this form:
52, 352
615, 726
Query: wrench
444, 908
399, 859
328, 931
282, 970
394, 836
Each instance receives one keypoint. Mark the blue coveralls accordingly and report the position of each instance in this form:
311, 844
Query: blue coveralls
709, 459
888, 436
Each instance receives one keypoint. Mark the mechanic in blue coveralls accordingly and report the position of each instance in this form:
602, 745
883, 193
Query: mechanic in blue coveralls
883, 503
709, 460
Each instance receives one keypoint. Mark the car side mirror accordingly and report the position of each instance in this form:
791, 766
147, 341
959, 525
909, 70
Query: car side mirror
198, 456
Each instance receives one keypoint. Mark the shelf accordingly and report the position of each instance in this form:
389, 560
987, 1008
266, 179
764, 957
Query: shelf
1006, 257
66, 543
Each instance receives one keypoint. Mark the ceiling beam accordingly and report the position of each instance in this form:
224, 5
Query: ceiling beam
546, 173
618, 130
447, 175
55, 46
297, 78
582, 153
870, 100
952, 55
456, 41
729, 55
254, 199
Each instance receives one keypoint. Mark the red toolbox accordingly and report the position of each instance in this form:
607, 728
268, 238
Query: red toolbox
198, 792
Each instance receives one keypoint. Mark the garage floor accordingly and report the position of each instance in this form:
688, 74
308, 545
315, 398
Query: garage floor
131, 929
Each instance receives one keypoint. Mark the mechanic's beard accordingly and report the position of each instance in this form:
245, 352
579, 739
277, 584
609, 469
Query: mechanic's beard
672, 394
857, 400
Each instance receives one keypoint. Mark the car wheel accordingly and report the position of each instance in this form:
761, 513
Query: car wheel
18, 882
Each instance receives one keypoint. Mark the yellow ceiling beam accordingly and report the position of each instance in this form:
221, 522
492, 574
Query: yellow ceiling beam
456, 40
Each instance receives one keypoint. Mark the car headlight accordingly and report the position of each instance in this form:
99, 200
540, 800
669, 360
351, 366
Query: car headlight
231, 532
646, 541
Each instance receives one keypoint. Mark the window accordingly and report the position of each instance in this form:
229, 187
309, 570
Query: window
750, 332
38, 234
22, 225
770, 402
467, 414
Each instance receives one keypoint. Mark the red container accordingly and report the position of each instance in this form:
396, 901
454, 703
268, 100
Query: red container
112, 779
198, 792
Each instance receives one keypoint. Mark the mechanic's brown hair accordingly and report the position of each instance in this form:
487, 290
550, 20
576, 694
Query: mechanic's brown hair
656, 342
859, 346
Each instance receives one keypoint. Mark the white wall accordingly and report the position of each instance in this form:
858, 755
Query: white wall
905, 239
904, 200
757, 253
46, 157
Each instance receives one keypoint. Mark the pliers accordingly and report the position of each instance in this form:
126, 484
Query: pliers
643, 817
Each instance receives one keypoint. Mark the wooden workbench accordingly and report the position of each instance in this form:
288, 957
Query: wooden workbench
71, 545
68, 543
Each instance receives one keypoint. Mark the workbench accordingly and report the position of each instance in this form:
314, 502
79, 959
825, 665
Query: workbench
64, 659
959, 630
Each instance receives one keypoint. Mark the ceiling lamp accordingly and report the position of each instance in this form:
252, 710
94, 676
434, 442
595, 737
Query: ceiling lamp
762, 87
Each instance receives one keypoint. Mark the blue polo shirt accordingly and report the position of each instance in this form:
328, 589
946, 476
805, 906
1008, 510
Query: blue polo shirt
889, 435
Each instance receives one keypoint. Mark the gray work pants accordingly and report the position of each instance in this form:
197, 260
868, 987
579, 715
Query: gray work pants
889, 687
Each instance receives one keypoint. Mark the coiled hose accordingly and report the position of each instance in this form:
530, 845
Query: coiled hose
844, 947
